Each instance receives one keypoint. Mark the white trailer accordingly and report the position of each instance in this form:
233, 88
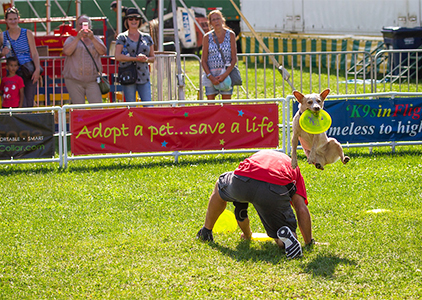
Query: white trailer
330, 17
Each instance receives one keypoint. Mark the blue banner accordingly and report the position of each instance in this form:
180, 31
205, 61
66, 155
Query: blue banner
374, 120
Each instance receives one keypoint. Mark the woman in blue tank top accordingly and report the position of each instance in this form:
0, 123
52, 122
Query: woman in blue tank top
20, 42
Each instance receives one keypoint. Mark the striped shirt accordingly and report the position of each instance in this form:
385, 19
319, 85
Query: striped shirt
20, 46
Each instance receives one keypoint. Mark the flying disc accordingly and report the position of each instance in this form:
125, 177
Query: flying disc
262, 237
315, 123
226, 222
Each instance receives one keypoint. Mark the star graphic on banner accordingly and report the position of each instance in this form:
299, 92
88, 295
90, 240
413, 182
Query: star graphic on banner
102, 146
222, 142
130, 114
164, 144
240, 113
186, 114
79, 119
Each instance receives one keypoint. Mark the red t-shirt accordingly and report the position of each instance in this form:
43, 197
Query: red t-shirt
10, 87
273, 167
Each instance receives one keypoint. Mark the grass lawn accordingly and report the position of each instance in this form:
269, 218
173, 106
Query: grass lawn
125, 229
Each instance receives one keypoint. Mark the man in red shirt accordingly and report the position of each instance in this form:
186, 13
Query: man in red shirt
266, 180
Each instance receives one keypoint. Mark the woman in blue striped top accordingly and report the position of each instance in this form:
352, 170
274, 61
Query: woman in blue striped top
20, 42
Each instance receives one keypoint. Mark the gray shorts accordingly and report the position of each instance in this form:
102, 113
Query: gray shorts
211, 90
271, 201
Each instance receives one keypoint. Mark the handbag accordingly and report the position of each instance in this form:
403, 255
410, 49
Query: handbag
28, 68
128, 74
102, 82
235, 73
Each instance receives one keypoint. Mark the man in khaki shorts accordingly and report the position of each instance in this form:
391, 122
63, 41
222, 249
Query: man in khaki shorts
267, 181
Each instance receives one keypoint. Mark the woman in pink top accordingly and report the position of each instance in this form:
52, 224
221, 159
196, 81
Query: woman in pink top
80, 73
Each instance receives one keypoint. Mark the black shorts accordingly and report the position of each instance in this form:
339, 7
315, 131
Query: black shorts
271, 201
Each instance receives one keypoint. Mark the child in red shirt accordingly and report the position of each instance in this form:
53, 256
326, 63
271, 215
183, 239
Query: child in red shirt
11, 87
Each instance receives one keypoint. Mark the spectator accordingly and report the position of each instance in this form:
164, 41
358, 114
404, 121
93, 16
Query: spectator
20, 42
134, 46
79, 71
267, 180
217, 79
113, 7
11, 87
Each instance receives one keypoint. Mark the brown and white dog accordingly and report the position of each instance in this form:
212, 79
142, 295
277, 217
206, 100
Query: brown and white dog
319, 149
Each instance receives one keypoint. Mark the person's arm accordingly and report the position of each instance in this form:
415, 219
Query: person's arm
147, 59
1, 44
98, 44
303, 217
246, 229
151, 57
204, 60
121, 57
71, 43
21, 96
241, 215
34, 55
233, 53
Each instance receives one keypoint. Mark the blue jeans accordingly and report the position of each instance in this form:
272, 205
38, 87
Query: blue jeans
144, 91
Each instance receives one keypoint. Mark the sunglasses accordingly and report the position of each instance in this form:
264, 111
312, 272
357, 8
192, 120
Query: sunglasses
134, 18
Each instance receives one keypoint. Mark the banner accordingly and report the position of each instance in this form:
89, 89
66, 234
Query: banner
208, 127
26, 136
375, 120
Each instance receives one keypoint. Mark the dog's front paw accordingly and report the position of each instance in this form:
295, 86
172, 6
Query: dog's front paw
346, 160
294, 163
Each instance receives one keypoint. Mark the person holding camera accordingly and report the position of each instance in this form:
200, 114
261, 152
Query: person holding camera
80, 73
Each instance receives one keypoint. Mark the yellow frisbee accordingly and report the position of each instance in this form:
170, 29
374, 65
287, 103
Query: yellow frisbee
226, 222
315, 123
262, 237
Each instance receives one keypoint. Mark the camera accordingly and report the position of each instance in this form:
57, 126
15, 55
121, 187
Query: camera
85, 26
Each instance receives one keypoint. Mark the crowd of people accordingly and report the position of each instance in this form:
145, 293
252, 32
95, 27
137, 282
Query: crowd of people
83, 67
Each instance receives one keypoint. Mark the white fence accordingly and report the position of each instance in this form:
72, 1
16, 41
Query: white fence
344, 72
64, 154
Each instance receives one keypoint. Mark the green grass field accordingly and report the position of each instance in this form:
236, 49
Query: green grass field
125, 229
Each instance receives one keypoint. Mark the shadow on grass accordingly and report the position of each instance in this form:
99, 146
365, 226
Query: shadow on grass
112, 164
324, 265
185, 160
268, 252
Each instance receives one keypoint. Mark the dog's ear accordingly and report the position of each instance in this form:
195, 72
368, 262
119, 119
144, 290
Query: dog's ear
299, 96
324, 94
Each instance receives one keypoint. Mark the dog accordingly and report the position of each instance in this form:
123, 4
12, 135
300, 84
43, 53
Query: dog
319, 149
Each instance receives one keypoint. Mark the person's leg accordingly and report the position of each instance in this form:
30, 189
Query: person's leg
76, 91
129, 92
226, 95
144, 91
30, 90
93, 93
303, 217
210, 92
216, 206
